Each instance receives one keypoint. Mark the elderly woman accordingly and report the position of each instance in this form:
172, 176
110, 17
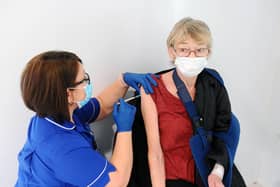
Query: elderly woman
60, 149
169, 127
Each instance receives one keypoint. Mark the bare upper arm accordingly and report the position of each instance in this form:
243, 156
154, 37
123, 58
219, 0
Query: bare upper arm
103, 112
150, 116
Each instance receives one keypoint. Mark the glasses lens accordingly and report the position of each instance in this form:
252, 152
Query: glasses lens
185, 52
201, 52
87, 79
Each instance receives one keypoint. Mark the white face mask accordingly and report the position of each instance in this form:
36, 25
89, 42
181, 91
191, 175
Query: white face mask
189, 66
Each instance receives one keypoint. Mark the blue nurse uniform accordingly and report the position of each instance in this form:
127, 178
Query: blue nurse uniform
63, 154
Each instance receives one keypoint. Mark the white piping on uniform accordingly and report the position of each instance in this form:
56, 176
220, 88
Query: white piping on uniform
99, 174
57, 124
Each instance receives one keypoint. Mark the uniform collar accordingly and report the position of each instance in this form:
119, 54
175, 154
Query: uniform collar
66, 125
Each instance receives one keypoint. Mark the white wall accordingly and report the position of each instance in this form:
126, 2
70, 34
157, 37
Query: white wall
117, 36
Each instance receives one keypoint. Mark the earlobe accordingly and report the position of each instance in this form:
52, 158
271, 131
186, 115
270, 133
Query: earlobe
69, 97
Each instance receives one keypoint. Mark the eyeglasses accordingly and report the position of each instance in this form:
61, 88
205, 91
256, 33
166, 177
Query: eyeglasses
185, 52
85, 80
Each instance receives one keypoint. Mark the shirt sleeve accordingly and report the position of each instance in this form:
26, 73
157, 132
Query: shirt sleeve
89, 112
75, 162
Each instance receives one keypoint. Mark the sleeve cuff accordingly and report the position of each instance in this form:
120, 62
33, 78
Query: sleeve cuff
218, 170
103, 178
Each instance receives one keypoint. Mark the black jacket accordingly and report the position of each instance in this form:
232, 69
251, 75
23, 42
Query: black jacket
213, 105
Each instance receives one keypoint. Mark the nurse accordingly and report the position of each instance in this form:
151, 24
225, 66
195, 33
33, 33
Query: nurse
60, 149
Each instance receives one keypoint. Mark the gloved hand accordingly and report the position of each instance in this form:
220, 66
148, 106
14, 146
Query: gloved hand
124, 114
135, 80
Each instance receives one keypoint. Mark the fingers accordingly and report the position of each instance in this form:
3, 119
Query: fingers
135, 86
121, 100
115, 111
147, 87
216, 184
132, 110
147, 83
214, 181
136, 80
151, 80
123, 105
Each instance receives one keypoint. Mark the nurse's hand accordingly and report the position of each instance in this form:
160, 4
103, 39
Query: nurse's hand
136, 80
124, 114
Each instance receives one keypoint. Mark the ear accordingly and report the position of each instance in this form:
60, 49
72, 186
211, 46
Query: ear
70, 97
171, 53
209, 53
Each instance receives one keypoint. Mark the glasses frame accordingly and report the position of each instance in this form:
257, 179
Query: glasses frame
188, 53
86, 80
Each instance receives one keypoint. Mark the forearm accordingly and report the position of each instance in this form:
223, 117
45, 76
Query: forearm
157, 170
122, 159
110, 95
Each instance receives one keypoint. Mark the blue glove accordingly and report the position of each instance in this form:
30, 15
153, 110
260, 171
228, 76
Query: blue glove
135, 80
124, 114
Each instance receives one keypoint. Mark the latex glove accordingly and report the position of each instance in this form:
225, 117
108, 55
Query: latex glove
135, 80
124, 114
215, 181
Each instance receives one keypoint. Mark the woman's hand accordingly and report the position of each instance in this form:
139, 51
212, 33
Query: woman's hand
215, 181
136, 80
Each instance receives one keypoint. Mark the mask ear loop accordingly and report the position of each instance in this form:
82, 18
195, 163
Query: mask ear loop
88, 95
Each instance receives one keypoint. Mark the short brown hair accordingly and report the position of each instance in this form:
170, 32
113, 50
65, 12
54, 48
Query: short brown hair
189, 27
44, 83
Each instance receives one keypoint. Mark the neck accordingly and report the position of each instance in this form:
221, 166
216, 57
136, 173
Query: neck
189, 81
71, 108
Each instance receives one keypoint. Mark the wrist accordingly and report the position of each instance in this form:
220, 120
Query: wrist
124, 130
218, 170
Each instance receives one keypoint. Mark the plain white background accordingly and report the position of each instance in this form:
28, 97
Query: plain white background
118, 36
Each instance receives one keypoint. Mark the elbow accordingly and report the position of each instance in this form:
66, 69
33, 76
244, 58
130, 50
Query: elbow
122, 180
155, 157
118, 179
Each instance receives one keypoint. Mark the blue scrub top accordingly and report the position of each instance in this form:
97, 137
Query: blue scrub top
62, 154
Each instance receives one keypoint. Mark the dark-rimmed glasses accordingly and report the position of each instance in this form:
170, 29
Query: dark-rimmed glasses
85, 80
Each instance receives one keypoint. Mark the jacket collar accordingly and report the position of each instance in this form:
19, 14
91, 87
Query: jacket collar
66, 125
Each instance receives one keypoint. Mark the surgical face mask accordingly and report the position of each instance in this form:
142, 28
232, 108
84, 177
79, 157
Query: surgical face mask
190, 66
88, 90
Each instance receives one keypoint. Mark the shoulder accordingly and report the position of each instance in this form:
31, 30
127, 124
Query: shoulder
211, 77
43, 132
165, 82
40, 129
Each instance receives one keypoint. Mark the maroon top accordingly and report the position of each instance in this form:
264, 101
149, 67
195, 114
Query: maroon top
175, 130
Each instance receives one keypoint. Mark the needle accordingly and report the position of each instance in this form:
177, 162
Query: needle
131, 98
